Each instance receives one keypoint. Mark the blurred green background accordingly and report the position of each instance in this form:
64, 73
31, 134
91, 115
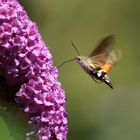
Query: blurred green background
95, 111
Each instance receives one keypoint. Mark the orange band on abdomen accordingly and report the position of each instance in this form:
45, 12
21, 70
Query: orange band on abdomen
107, 67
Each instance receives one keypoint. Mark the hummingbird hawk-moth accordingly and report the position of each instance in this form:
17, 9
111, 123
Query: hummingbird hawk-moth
100, 61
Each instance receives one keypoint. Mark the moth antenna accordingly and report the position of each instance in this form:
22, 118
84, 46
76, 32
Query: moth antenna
75, 48
66, 62
70, 59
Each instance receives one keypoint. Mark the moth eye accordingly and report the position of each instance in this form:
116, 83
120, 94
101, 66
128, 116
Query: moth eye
78, 59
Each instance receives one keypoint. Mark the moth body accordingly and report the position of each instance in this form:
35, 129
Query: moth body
95, 72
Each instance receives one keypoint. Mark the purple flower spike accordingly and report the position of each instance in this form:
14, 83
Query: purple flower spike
25, 61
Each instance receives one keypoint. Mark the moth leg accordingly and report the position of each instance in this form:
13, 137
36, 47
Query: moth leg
96, 80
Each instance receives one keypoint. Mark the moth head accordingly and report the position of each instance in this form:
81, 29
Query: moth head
81, 59
78, 59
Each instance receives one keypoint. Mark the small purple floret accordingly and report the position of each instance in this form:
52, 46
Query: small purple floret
25, 61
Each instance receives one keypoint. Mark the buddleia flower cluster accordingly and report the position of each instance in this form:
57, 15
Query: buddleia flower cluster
26, 62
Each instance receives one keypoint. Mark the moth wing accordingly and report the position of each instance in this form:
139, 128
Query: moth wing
98, 60
105, 46
114, 57
100, 54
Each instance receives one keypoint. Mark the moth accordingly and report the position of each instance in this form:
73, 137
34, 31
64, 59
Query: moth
98, 64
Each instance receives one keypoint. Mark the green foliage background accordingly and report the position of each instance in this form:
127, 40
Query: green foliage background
95, 111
